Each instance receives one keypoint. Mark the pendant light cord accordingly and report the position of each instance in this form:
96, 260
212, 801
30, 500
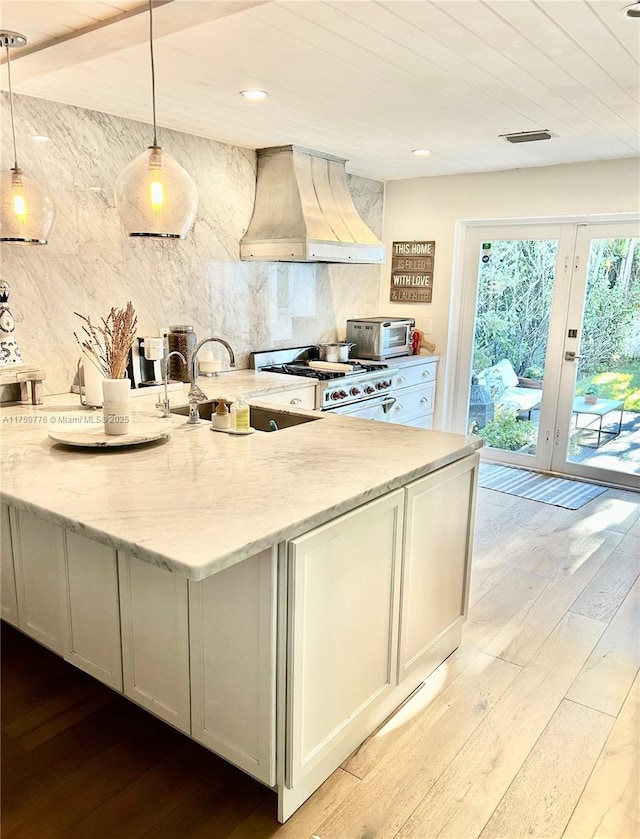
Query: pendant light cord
13, 124
153, 76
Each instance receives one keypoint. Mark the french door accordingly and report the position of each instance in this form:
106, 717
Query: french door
549, 312
597, 432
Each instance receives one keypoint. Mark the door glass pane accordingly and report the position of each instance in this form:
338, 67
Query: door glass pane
606, 400
515, 286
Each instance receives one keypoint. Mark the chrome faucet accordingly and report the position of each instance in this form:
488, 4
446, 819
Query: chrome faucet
196, 395
164, 405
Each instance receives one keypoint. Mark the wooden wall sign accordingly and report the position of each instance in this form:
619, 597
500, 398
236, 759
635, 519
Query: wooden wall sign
412, 272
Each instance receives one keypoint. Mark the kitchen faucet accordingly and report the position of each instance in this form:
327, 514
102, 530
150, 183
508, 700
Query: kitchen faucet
196, 395
163, 404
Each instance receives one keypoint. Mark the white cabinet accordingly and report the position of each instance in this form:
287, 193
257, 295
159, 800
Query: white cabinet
301, 397
155, 640
436, 564
414, 389
38, 556
9, 600
232, 626
93, 640
343, 615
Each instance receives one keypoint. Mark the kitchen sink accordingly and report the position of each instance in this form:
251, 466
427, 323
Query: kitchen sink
261, 417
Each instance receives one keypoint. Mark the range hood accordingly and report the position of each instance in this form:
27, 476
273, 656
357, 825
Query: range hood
304, 212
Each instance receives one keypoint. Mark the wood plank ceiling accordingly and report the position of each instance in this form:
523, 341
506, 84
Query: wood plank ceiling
366, 79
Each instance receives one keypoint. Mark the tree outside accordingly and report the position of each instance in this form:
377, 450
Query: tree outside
514, 304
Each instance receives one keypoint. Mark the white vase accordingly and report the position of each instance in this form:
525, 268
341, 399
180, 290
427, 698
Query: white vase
93, 378
116, 406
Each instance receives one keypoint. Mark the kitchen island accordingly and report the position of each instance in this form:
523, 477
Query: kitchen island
273, 596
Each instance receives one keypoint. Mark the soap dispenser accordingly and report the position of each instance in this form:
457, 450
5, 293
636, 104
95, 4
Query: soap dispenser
240, 415
221, 419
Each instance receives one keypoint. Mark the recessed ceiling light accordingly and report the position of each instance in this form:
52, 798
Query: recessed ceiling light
40, 138
421, 152
254, 94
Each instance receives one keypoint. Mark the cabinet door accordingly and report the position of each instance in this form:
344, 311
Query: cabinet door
93, 641
343, 615
232, 625
437, 562
38, 556
155, 640
8, 578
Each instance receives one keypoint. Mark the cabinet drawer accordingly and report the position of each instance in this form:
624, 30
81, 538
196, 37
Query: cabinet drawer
301, 397
419, 421
412, 401
416, 374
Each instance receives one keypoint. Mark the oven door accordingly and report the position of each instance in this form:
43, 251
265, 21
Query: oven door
396, 339
376, 409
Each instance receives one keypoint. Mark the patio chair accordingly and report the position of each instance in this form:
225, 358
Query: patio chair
506, 390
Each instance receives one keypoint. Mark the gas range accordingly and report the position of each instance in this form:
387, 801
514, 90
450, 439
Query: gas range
357, 381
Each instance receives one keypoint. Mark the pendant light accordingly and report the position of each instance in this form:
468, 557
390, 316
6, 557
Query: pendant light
27, 211
154, 195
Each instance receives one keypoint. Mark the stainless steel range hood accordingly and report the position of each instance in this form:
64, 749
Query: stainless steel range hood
304, 212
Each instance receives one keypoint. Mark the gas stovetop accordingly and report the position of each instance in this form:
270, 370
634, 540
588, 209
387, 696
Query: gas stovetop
303, 369
365, 380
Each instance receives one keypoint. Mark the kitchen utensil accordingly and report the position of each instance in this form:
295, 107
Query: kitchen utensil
338, 351
338, 367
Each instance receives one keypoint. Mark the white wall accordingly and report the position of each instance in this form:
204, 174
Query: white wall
428, 208
90, 264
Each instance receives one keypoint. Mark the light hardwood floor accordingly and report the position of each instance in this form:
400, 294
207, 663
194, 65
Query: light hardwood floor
530, 729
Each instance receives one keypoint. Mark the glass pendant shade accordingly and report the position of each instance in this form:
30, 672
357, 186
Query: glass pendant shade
156, 197
27, 211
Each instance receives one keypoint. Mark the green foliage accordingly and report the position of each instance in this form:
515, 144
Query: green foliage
534, 372
621, 383
591, 390
612, 302
514, 302
505, 431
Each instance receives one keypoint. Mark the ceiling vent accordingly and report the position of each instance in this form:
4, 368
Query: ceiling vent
527, 136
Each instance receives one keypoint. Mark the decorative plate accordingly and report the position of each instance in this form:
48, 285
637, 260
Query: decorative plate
94, 437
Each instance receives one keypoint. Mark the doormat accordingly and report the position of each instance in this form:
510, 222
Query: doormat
545, 488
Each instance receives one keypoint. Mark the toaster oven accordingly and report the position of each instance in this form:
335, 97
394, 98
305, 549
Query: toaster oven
380, 338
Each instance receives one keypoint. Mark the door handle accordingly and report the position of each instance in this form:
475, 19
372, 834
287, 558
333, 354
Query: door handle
571, 356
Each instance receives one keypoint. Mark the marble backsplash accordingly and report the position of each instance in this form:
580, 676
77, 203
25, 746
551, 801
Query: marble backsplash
90, 265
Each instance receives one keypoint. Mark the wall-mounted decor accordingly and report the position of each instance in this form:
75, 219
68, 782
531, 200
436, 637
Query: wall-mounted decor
412, 272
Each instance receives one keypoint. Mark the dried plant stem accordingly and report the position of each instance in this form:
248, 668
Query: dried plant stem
108, 345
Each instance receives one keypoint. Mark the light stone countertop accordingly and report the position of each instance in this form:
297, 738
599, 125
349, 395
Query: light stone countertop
202, 501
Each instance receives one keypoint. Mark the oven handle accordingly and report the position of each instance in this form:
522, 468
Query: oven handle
388, 403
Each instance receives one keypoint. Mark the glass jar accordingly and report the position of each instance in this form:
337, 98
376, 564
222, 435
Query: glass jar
183, 339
